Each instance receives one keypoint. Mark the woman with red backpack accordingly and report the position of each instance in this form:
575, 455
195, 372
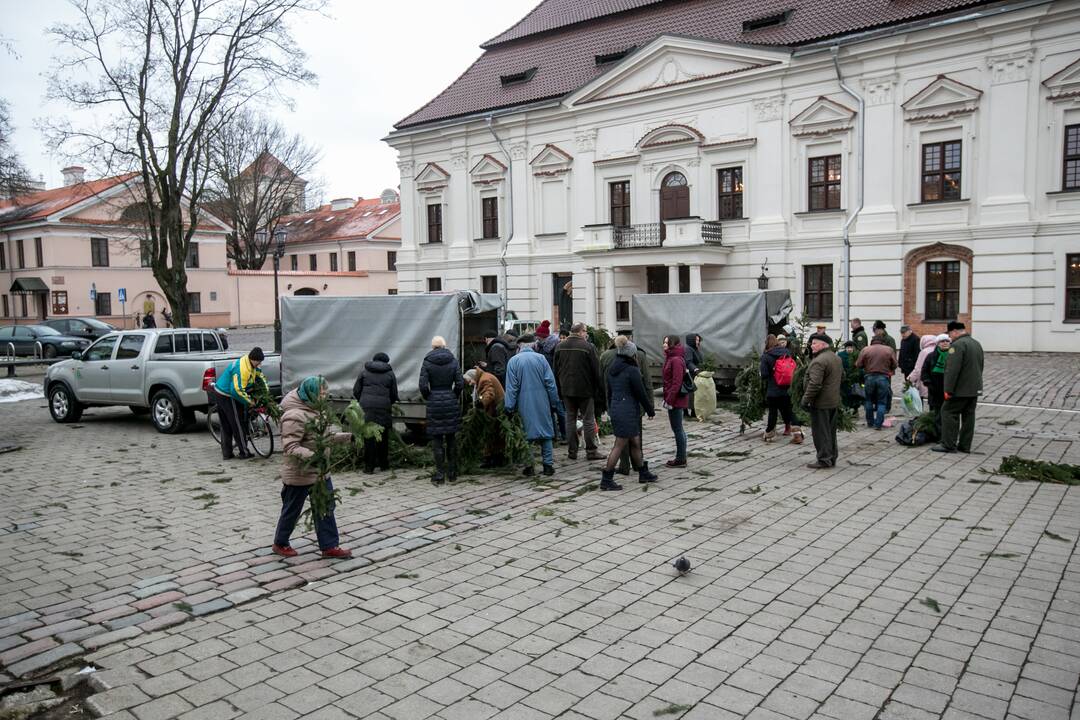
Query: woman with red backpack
777, 372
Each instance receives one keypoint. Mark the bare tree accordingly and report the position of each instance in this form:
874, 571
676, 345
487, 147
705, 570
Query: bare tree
14, 177
167, 75
257, 176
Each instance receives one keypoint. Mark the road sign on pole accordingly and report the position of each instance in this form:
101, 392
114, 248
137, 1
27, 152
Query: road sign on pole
121, 295
93, 292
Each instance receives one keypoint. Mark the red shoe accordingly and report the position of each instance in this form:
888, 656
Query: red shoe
337, 552
676, 463
283, 550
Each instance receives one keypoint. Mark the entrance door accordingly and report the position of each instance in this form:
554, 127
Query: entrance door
562, 310
674, 199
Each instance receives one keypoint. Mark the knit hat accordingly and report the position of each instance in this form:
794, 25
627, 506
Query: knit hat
381, 357
879, 325
256, 354
627, 350
470, 375
310, 388
942, 336
544, 330
955, 325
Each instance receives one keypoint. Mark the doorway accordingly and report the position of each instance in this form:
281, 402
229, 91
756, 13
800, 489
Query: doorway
674, 199
562, 309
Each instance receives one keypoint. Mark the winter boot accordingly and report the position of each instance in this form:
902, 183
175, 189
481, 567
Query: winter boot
643, 474
549, 470
797, 436
787, 428
768, 436
527, 471
607, 481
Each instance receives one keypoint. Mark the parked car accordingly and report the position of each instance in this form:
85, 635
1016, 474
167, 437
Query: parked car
26, 338
89, 328
163, 372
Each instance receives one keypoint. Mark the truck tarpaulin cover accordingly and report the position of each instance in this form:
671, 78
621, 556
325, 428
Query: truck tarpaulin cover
335, 336
732, 325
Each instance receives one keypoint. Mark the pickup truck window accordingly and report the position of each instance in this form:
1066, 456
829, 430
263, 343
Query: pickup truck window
102, 349
130, 347
209, 342
180, 342
164, 345
195, 342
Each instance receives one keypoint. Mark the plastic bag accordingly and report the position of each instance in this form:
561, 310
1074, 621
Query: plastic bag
705, 395
912, 402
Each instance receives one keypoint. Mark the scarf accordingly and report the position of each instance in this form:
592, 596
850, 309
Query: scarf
939, 361
309, 389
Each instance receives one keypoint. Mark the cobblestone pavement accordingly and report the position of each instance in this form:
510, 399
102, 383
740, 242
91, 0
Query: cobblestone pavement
903, 584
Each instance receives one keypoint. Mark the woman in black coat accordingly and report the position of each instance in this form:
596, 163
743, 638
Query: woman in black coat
376, 391
778, 397
440, 385
626, 397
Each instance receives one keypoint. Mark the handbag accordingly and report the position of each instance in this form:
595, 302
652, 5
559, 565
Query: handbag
687, 385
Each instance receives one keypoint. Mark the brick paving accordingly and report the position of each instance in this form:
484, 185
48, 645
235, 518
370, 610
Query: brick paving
930, 589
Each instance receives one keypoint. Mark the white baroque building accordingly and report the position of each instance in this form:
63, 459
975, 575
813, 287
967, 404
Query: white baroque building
629, 146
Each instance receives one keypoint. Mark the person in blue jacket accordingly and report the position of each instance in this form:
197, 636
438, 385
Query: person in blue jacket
530, 391
232, 393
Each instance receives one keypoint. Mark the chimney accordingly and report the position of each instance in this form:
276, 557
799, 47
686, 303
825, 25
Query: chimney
342, 203
73, 175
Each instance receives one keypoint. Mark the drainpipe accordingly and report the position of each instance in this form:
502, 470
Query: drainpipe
510, 220
861, 190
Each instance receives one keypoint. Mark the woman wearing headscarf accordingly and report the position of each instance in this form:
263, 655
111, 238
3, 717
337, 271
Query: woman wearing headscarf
440, 385
297, 477
675, 401
933, 375
376, 391
626, 398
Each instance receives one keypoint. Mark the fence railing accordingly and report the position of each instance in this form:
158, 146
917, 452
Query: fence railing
712, 231
642, 235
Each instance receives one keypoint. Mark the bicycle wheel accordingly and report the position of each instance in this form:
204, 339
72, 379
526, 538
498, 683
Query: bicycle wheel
213, 422
261, 435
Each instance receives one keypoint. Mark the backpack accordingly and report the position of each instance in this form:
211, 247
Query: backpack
783, 371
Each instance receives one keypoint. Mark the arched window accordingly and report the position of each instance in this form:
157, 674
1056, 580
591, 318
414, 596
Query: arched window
674, 179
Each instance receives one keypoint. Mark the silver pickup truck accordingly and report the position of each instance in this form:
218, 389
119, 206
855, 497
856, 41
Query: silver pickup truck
165, 373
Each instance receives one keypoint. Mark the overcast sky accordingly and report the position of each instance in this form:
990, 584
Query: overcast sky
377, 61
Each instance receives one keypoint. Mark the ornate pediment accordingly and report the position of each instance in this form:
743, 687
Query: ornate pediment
1065, 83
822, 117
672, 62
942, 98
668, 135
551, 160
432, 177
488, 170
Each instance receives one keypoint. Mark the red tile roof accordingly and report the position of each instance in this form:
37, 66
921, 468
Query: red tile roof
562, 37
40, 205
328, 225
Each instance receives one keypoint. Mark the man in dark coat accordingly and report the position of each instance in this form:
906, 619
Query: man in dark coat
577, 374
963, 383
822, 398
909, 349
498, 353
440, 386
858, 335
376, 391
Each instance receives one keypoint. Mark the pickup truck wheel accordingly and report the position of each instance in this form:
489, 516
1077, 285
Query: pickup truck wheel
63, 406
166, 412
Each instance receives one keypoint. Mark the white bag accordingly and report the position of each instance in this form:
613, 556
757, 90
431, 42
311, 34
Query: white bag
704, 395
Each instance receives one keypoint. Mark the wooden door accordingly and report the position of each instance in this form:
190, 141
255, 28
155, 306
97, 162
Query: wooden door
674, 199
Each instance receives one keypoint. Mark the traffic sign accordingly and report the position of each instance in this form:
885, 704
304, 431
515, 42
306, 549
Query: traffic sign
121, 295
93, 292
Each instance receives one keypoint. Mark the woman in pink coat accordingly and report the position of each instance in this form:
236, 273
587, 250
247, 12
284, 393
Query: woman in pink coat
926, 344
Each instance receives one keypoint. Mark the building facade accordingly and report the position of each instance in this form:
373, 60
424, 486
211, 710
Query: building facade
68, 252
679, 147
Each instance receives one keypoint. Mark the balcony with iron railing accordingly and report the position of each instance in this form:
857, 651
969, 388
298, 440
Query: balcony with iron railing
678, 233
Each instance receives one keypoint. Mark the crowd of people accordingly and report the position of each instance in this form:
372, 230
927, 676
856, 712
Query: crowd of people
558, 384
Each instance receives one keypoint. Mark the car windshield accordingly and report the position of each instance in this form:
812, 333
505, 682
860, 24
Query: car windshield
44, 330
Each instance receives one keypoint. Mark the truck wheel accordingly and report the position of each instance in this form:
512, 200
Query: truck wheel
166, 412
63, 406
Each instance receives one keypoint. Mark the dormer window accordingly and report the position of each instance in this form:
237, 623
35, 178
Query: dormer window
517, 78
767, 21
613, 57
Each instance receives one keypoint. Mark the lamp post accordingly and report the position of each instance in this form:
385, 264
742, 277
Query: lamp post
763, 279
261, 237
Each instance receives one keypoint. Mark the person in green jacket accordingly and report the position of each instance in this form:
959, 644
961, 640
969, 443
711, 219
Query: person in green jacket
879, 331
963, 383
608, 357
821, 398
858, 335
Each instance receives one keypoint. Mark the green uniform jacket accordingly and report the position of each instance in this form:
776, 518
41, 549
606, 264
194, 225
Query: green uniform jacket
859, 338
964, 368
823, 378
889, 341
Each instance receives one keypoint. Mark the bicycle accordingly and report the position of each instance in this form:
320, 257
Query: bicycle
259, 430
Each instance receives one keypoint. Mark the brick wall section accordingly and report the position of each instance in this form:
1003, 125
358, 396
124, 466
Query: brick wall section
911, 266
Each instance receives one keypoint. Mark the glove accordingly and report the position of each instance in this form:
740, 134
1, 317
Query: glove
948, 396
650, 413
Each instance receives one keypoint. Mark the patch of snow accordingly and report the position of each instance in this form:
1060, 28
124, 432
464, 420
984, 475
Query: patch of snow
13, 390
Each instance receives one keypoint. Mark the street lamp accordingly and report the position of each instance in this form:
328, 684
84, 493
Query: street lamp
279, 252
763, 279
